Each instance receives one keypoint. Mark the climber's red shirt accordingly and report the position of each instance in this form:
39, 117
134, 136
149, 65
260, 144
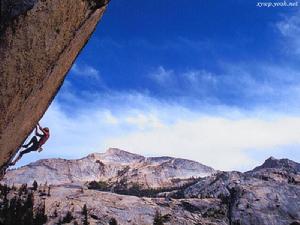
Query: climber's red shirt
44, 138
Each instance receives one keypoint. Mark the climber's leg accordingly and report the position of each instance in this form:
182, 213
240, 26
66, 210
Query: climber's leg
30, 149
33, 141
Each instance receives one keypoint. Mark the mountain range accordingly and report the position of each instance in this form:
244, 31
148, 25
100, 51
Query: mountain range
118, 187
111, 166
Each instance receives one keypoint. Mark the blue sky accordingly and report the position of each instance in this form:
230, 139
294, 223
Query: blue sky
230, 42
212, 81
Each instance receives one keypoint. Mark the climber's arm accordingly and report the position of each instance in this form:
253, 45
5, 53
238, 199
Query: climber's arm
41, 129
36, 131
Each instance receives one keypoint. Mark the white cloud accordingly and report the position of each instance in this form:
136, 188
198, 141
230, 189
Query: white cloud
110, 119
290, 29
200, 77
243, 84
215, 141
143, 121
218, 136
85, 71
290, 26
163, 77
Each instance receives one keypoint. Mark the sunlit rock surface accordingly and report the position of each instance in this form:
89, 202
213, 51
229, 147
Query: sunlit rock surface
39, 40
266, 195
270, 194
113, 165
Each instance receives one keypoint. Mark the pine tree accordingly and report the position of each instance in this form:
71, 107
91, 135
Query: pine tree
59, 222
28, 209
49, 191
158, 219
4, 210
40, 216
19, 209
34, 185
12, 211
68, 218
85, 215
23, 189
55, 213
113, 221
4, 190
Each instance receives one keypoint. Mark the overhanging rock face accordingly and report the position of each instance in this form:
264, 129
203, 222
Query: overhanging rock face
39, 40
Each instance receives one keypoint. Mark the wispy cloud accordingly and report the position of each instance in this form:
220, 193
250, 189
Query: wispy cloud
163, 76
216, 141
256, 84
199, 77
85, 71
290, 29
219, 136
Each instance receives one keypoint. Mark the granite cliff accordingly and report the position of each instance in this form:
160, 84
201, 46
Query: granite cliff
39, 40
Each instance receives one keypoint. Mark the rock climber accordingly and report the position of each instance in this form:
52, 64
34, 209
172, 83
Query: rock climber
36, 145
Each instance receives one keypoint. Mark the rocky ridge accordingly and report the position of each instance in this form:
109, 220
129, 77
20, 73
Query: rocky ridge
113, 166
284, 164
266, 195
